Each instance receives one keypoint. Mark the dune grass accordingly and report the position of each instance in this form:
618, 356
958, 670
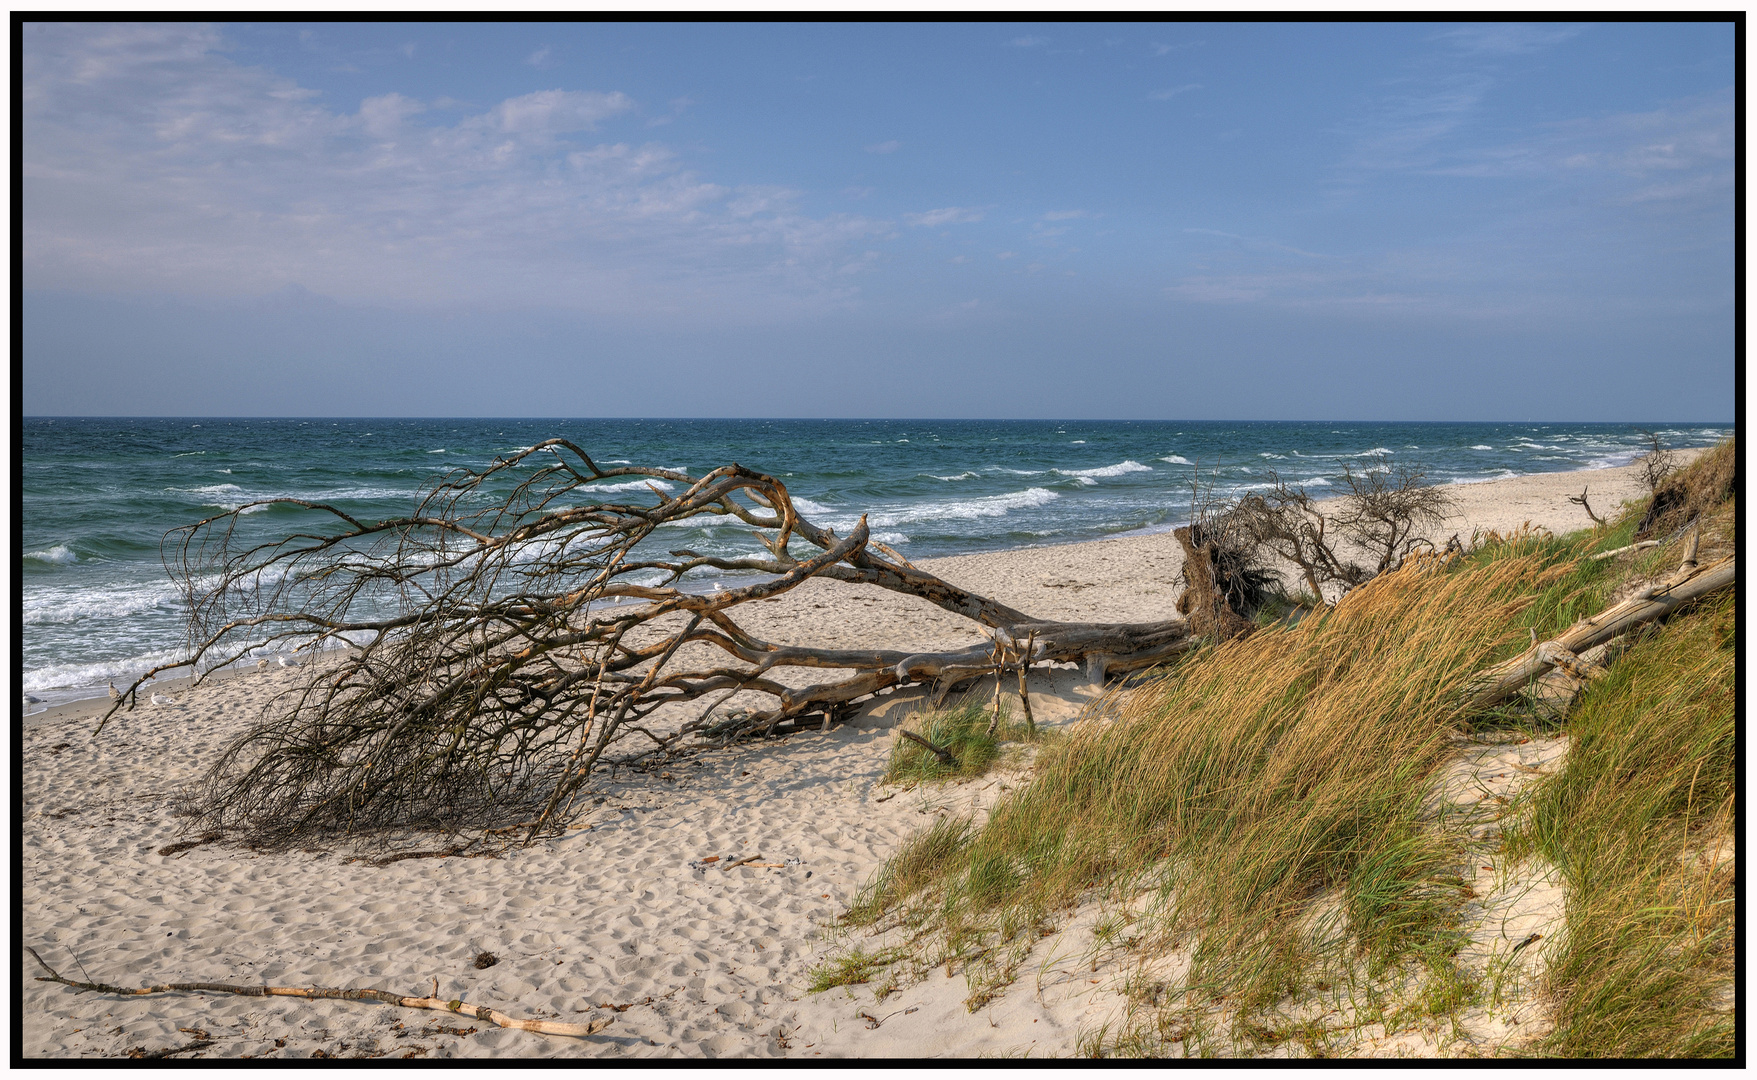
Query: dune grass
1265, 806
1637, 820
963, 731
1262, 773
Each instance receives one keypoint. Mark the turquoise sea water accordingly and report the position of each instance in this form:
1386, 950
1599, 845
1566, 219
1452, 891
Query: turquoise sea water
98, 494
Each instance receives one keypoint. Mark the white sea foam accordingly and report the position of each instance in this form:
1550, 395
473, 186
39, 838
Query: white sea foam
61, 606
962, 510
618, 461
1316, 481
885, 538
1504, 474
1121, 468
960, 476
60, 553
1020, 472
95, 675
1077, 442
1479, 446
1377, 451
806, 506
441, 450
1267, 454
636, 485
1176, 459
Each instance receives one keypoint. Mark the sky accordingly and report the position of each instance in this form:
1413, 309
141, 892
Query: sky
1187, 220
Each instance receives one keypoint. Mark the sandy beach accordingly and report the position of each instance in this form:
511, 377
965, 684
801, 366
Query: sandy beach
621, 919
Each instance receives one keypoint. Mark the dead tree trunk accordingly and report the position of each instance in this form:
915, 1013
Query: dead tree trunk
1657, 601
1204, 601
518, 626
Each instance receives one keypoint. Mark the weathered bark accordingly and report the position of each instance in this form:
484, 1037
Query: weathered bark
1689, 583
1204, 601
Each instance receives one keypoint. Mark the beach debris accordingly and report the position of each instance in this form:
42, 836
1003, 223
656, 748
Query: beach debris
533, 689
185, 845
1580, 501
485, 960
434, 1002
946, 757
1570, 652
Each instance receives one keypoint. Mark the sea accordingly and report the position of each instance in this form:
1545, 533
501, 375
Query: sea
99, 494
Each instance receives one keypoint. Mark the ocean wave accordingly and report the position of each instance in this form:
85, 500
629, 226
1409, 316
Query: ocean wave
441, 450
963, 510
1076, 442
1267, 454
192, 453
1176, 459
96, 674
1479, 446
1377, 451
1504, 474
636, 485
618, 461
1020, 472
884, 538
60, 553
1121, 468
949, 479
806, 506
62, 606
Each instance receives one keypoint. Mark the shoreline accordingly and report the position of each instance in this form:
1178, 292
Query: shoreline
1534, 490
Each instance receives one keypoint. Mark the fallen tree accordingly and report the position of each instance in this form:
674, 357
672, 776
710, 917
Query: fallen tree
1572, 652
492, 647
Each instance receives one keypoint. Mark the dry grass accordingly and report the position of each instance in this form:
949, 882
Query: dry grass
1259, 775
1272, 792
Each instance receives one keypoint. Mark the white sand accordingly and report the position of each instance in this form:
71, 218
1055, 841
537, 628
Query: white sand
613, 914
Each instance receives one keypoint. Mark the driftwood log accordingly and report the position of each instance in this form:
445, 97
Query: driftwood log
525, 621
434, 1001
1563, 653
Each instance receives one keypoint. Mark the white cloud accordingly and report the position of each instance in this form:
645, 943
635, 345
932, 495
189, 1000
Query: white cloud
946, 215
558, 111
889, 146
1168, 94
1507, 39
157, 164
1028, 42
1064, 215
383, 116
542, 58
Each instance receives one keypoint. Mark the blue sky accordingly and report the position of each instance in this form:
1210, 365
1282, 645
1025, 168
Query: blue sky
1183, 220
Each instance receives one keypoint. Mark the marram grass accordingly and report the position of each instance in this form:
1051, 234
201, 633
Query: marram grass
1258, 775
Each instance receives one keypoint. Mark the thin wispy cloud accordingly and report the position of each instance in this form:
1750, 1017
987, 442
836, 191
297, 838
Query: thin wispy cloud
542, 59
1029, 42
889, 146
946, 215
1507, 39
1171, 92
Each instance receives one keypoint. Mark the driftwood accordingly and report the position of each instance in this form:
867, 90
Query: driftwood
1612, 553
524, 622
434, 1002
1564, 653
946, 757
